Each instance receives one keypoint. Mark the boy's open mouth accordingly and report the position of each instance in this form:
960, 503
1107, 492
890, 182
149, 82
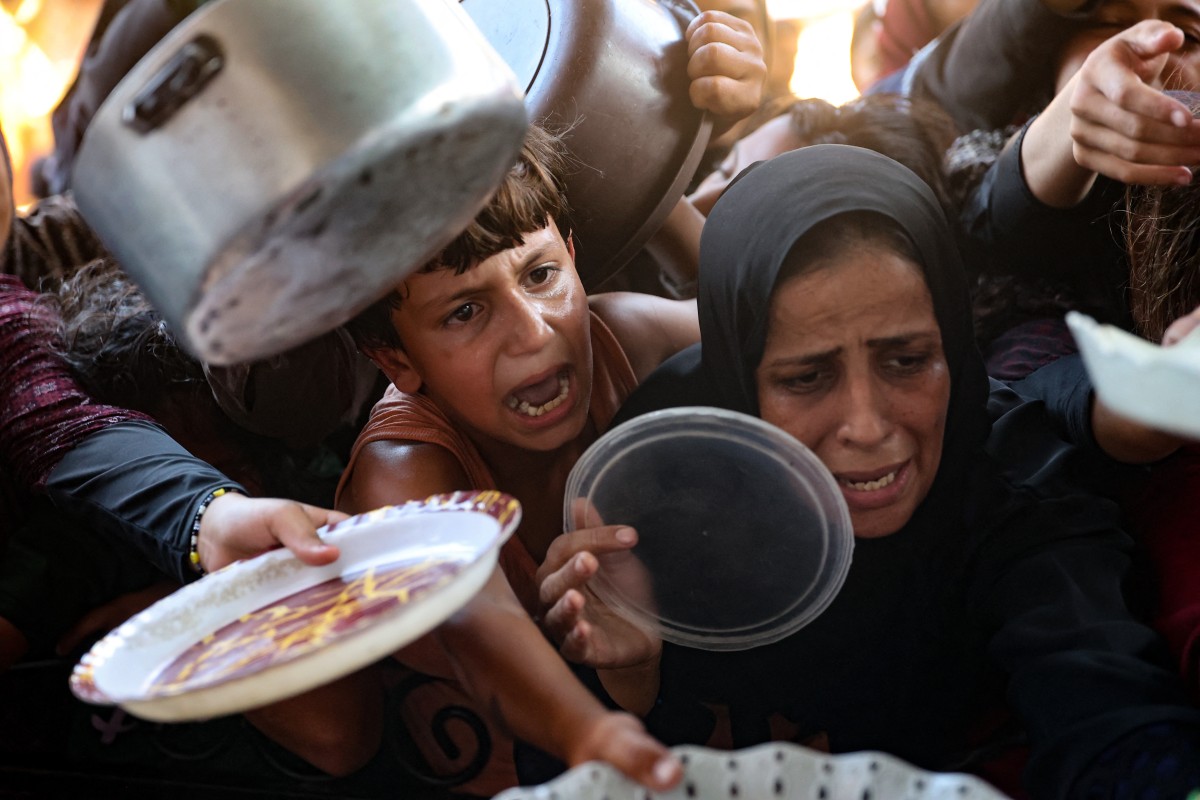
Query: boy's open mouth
541, 397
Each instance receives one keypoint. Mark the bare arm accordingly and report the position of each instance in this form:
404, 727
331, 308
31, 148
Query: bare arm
1128, 441
509, 667
676, 245
650, 329
1133, 442
493, 647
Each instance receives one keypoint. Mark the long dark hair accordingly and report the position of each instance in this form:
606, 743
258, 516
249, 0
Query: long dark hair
1162, 240
124, 354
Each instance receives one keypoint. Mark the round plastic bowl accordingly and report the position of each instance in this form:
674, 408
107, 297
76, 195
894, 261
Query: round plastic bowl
744, 536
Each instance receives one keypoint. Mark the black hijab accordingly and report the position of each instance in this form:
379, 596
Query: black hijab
762, 215
889, 601
746, 241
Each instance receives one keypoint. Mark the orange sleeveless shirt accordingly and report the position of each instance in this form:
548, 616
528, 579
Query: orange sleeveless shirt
414, 418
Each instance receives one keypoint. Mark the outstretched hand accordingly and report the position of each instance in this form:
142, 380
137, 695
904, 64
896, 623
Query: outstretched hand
621, 740
587, 630
725, 63
236, 527
1122, 125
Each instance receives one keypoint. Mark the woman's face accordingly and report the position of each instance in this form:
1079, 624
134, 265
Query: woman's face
853, 367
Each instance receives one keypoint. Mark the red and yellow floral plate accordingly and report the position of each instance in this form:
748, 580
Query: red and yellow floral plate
271, 627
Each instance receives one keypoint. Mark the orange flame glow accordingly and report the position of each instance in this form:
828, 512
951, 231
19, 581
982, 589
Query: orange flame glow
41, 42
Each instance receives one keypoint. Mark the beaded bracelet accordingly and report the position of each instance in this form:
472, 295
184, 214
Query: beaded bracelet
194, 547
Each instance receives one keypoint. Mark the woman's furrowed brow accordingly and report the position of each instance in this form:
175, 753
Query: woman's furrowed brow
901, 339
804, 359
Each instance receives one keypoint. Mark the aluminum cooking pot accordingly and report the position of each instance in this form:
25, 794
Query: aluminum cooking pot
614, 74
272, 166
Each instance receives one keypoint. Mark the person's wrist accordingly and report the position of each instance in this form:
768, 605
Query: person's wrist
634, 687
201, 534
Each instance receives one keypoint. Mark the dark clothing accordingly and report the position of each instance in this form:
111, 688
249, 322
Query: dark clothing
134, 482
54, 569
112, 466
44, 411
1166, 519
996, 64
1005, 576
1027, 347
1072, 256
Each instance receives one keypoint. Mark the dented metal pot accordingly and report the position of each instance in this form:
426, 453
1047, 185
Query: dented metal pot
273, 166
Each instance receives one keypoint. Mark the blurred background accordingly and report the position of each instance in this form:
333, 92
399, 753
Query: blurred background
42, 41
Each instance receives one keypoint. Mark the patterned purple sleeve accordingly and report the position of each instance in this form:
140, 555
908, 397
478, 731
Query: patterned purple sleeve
44, 412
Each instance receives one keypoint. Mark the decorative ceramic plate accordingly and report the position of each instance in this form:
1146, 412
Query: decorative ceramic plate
766, 772
271, 627
1154, 385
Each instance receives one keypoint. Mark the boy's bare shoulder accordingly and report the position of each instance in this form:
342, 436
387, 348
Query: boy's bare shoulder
393, 472
650, 329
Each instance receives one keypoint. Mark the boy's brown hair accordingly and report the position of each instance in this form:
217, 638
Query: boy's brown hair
530, 196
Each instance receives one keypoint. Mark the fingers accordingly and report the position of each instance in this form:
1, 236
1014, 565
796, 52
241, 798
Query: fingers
1180, 328
1122, 126
1133, 150
321, 517
296, 529
1145, 115
564, 622
236, 527
1129, 172
573, 575
711, 27
725, 63
598, 541
623, 742
1125, 68
1149, 42
578, 646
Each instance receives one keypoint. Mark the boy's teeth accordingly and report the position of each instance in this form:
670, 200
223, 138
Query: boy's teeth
564, 386
871, 486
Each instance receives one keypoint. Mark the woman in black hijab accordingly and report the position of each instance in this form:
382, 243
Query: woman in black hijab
833, 305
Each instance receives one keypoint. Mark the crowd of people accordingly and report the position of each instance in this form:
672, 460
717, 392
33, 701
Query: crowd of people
883, 280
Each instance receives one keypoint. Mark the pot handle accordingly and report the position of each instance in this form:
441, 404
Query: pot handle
180, 79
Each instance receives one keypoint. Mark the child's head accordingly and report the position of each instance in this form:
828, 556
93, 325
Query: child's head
495, 330
123, 353
117, 345
531, 194
913, 131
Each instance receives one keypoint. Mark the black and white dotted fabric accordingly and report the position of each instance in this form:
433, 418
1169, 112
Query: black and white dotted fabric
766, 772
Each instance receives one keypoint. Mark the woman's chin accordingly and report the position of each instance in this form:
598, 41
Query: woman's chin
879, 522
